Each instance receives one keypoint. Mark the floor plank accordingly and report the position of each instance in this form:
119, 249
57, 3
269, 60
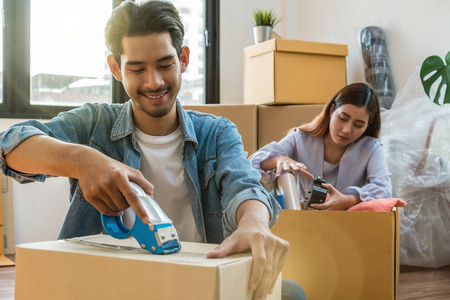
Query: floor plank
7, 275
414, 283
421, 283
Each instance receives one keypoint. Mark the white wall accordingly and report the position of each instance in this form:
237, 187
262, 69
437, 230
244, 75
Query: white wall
414, 30
38, 208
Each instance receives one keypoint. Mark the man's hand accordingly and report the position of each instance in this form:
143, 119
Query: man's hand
269, 251
103, 180
337, 201
105, 184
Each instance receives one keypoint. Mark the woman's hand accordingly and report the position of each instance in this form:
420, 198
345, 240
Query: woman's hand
337, 201
283, 164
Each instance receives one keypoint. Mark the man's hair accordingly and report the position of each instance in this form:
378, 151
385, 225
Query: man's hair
359, 94
132, 19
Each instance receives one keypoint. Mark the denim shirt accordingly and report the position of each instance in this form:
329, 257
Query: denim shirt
218, 175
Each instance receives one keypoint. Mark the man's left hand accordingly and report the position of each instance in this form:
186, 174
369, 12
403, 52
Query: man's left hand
269, 251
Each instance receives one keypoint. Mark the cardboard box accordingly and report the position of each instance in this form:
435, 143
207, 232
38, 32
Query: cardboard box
4, 261
282, 71
275, 121
8, 215
73, 270
342, 255
243, 116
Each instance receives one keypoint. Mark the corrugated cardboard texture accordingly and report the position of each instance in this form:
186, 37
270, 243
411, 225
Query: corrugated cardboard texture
274, 121
293, 72
341, 255
63, 270
243, 116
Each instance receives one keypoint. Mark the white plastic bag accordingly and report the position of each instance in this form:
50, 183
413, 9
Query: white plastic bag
416, 138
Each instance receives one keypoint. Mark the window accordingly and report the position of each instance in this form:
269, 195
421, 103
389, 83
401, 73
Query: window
55, 56
193, 14
1, 54
68, 61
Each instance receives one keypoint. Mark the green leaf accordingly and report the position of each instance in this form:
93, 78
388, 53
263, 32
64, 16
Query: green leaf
265, 17
441, 70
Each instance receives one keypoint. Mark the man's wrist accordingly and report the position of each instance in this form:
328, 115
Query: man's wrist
253, 209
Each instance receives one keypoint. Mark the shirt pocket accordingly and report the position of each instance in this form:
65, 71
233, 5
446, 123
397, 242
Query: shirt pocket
103, 149
207, 172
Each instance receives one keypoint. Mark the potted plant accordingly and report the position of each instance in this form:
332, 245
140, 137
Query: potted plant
263, 20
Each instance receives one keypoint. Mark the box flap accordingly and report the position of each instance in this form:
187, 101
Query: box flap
105, 245
284, 45
240, 283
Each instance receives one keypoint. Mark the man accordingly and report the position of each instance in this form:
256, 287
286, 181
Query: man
193, 163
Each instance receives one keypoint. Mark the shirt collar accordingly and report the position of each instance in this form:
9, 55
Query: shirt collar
124, 125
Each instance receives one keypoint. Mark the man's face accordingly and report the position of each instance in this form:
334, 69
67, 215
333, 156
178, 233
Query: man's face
150, 72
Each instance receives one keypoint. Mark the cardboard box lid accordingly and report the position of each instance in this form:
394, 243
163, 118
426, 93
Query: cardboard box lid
105, 245
283, 45
73, 270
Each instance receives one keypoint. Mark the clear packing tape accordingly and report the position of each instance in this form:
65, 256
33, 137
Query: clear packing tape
415, 134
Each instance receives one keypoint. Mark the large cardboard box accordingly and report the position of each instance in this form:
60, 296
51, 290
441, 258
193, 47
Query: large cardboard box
342, 255
73, 270
243, 116
275, 121
282, 71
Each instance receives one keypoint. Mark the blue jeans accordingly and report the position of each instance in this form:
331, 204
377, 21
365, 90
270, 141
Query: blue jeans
291, 290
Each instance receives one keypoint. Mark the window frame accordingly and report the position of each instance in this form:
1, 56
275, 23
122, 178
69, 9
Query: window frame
16, 86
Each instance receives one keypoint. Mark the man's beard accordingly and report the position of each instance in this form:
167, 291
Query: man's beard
158, 113
161, 112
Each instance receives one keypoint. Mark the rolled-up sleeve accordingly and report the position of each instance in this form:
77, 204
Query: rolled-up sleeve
71, 126
9, 140
238, 179
272, 149
229, 217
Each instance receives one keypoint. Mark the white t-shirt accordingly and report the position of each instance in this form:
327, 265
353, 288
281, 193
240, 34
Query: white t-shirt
162, 165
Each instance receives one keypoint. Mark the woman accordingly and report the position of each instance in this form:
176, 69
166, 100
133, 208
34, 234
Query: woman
341, 145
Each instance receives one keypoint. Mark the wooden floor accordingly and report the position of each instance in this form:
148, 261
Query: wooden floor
414, 283
419, 283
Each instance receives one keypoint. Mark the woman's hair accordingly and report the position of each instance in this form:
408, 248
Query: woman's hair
139, 19
358, 94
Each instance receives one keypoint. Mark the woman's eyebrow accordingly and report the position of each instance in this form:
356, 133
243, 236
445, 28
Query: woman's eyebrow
348, 116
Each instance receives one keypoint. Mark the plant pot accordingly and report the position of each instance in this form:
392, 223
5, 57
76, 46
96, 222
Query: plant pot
262, 33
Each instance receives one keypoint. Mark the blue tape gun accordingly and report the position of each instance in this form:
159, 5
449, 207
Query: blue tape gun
159, 236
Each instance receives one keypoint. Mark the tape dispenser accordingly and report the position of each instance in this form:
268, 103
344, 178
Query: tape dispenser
159, 236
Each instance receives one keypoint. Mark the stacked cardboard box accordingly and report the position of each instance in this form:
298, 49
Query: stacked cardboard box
295, 79
243, 116
282, 71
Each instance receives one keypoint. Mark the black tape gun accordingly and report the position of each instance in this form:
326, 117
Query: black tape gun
316, 194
